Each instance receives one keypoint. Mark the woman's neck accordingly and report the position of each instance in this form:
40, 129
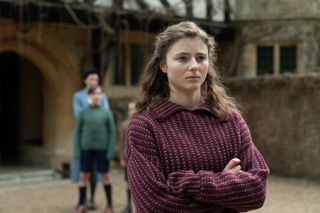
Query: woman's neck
189, 101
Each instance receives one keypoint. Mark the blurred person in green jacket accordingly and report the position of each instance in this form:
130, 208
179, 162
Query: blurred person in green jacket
94, 144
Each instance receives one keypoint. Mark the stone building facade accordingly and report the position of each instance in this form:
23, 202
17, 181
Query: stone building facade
275, 73
276, 37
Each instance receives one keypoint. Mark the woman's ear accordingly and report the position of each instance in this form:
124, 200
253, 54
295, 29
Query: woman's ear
163, 66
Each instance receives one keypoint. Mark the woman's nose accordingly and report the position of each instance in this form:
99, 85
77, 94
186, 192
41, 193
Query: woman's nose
193, 64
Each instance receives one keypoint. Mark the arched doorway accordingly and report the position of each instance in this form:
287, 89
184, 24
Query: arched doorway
45, 123
21, 101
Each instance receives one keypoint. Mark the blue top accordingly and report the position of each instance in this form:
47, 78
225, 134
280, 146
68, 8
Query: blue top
81, 101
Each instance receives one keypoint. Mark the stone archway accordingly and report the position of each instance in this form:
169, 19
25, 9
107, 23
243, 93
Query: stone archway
61, 79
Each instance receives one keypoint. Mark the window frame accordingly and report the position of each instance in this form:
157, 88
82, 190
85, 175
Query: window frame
276, 55
126, 39
272, 58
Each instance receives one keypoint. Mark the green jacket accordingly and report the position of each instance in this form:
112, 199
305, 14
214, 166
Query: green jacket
95, 130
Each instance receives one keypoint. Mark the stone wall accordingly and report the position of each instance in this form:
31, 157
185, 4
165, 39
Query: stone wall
275, 9
283, 115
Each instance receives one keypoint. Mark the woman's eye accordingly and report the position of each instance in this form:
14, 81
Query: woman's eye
201, 58
182, 58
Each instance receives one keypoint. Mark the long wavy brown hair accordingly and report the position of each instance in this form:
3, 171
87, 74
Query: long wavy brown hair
154, 83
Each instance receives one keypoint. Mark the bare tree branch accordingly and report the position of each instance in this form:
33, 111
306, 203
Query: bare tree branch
102, 19
99, 14
76, 19
189, 7
118, 4
227, 11
209, 9
168, 7
142, 4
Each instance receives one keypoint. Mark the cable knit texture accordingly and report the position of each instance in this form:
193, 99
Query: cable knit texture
176, 159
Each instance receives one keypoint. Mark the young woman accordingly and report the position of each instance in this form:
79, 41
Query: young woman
189, 149
94, 144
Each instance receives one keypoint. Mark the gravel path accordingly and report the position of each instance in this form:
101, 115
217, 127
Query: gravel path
284, 196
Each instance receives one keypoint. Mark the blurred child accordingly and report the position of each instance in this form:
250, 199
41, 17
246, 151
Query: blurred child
94, 145
122, 143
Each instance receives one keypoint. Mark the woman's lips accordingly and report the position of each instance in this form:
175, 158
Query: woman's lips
192, 77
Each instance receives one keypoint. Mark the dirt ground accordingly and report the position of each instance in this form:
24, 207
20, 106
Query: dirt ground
284, 196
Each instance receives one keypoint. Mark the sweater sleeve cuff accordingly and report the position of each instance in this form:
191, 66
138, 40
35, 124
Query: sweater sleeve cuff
194, 184
184, 183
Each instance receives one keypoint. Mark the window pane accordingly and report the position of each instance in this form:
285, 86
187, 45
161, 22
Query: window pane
288, 59
118, 77
136, 63
120, 59
264, 60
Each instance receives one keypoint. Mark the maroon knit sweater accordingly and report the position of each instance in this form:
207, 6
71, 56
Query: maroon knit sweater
171, 149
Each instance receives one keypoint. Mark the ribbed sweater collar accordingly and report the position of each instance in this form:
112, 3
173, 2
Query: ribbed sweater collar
162, 109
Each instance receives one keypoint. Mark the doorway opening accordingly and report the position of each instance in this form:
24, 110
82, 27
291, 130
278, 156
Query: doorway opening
21, 108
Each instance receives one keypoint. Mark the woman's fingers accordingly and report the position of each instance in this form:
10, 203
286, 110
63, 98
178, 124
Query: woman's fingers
235, 169
233, 165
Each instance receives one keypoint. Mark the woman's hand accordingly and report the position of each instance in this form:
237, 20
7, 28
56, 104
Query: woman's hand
233, 166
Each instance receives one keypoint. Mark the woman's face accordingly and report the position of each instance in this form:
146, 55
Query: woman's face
186, 65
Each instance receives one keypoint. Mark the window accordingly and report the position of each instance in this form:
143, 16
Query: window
117, 64
127, 58
136, 63
288, 59
265, 60
276, 59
